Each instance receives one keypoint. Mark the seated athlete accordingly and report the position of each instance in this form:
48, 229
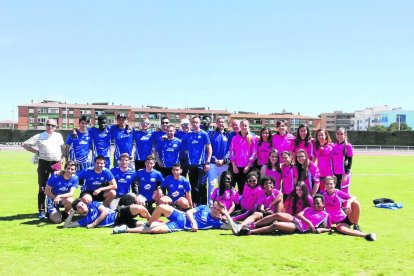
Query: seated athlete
270, 202
177, 187
344, 210
199, 218
312, 219
95, 214
60, 189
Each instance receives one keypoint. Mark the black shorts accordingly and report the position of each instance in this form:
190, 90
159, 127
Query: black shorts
99, 197
347, 221
124, 216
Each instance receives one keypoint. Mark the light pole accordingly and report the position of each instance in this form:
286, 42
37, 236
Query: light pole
399, 122
12, 111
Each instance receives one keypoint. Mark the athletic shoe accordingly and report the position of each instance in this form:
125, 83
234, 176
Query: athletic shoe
244, 231
235, 228
120, 229
371, 237
356, 227
42, 215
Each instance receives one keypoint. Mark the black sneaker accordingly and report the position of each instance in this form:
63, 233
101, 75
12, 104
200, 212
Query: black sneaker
371, 237
356, 227
244, 231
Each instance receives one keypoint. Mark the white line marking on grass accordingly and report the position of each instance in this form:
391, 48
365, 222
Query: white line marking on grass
383, 174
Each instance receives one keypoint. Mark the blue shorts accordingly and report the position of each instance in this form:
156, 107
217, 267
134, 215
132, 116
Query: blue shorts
51, 207
176, 221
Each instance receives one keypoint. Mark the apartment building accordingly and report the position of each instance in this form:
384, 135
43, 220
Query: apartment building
34, 115
258, 121
333, 121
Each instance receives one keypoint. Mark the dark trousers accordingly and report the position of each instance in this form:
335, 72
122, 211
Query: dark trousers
44, 169
240, 179
198, 181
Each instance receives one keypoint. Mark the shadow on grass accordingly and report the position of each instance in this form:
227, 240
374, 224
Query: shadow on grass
34, 220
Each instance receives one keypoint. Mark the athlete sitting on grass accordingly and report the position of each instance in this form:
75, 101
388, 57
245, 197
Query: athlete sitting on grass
194, 219
344, 210
95, 214
312, 219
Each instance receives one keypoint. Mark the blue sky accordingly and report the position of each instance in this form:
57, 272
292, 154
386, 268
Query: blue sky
261, 56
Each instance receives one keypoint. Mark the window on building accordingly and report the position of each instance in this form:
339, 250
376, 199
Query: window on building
400, 118
41, 121
53, 110
42, 111
31, 120
31, 110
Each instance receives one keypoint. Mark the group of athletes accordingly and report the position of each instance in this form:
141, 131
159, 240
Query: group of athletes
197, 177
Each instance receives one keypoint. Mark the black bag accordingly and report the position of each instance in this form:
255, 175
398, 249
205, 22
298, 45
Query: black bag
383, 200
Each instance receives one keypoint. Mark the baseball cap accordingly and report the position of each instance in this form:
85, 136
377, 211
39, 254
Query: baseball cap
121, 115
185, 121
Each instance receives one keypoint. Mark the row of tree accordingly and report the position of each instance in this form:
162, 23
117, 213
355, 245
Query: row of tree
392, 127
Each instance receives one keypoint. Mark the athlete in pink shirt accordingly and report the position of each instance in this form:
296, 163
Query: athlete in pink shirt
304, 141
249, 201
242, 154
272, 168
225, 193
307, 172
298, 200
263, 147
282, 140
344, 210
342, 154
312, 219
270, 201
289, 173
323, 150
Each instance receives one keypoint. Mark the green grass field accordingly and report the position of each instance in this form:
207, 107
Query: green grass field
32, 247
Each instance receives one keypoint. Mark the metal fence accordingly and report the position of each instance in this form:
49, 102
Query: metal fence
383, 148
356, 147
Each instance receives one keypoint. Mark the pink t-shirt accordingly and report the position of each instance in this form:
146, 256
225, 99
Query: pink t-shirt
289, 174
241, 152
250, 198
334, 204
310, 148
324, 160
338, 156
267, 200
262, 152
318, 219
300, 205
227, 198
276, 175
312, 177
283, 143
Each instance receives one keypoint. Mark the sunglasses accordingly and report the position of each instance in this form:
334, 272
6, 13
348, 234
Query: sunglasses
165, 123
50, 125
145, 123
251, 180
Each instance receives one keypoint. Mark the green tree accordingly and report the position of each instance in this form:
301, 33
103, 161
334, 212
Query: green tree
403, 127
377, 128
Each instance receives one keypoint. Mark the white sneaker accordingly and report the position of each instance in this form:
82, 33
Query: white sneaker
120, 229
